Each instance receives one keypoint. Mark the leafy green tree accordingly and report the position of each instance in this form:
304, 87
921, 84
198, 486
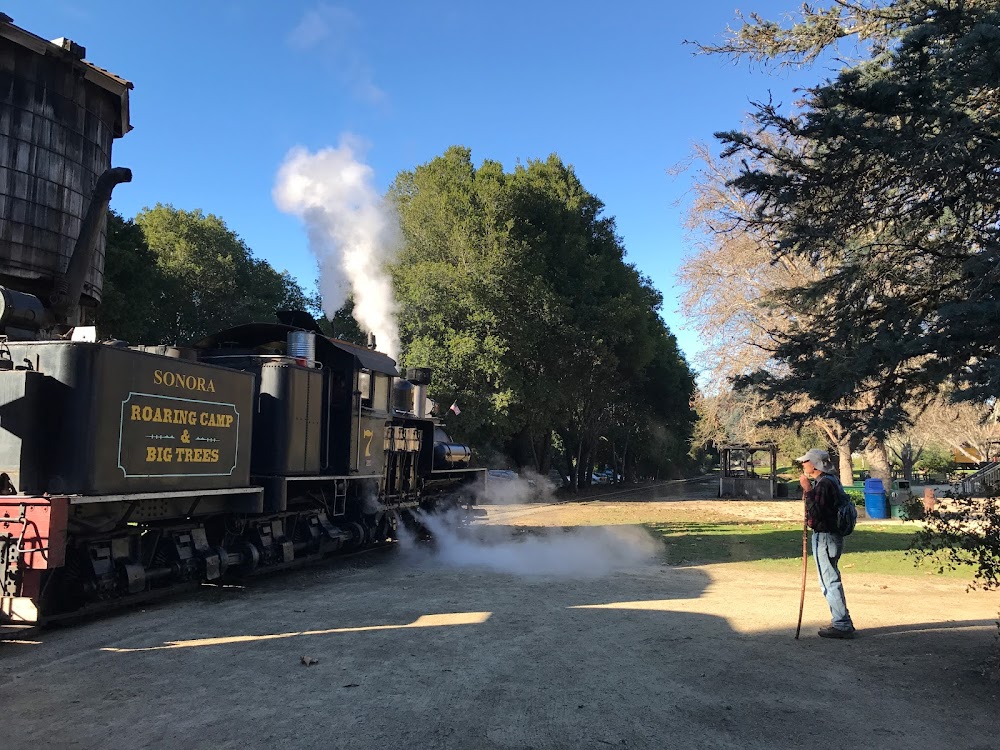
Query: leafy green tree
663, 415
513, 287
133, 284
210, 278
447, 278
594, 304
936, 459
343, 325
964, 531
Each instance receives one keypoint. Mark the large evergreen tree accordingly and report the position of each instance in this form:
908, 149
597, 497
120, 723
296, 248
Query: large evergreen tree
888, 181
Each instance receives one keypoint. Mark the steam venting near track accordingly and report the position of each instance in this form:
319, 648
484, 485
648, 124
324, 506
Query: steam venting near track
353, 232
526, 487
582, 552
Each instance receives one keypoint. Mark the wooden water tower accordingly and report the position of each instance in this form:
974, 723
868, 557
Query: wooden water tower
59, 116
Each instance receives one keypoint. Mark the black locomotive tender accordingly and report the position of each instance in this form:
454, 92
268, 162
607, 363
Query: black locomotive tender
128, 470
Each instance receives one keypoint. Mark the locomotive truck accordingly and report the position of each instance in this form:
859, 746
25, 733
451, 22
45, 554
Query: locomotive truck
127, 471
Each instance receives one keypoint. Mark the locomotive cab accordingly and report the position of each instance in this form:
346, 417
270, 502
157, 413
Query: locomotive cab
320, 410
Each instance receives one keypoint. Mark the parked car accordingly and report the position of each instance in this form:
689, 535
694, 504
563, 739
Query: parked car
557, 479
503, 475
606, 477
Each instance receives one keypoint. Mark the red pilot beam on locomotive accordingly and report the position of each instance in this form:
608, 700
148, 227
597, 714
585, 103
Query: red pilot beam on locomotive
131, 470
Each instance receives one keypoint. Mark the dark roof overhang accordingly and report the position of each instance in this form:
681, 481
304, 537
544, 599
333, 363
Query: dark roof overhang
253, 335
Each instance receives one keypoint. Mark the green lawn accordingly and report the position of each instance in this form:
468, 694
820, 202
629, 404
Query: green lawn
870, 549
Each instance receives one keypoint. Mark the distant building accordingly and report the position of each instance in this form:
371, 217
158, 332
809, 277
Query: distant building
971, 455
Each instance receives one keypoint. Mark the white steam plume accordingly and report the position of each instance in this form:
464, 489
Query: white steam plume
511, 488
581, 552
353, 231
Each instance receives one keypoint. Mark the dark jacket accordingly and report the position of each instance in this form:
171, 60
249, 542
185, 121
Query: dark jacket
821, 503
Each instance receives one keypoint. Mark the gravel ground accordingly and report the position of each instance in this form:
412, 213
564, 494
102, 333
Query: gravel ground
498, 638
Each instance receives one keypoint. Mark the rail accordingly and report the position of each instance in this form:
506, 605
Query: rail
977, 483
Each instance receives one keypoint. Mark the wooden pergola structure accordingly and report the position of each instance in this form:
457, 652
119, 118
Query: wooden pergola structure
742, 475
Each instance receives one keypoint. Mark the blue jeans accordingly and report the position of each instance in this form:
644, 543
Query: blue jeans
827, 549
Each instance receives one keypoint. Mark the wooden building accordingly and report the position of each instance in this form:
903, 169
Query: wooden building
749, 471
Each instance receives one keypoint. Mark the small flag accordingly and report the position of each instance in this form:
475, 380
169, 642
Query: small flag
454, 408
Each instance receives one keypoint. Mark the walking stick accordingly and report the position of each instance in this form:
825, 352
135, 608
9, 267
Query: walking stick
802, 596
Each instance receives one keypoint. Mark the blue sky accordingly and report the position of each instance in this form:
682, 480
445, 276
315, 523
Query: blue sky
223, 91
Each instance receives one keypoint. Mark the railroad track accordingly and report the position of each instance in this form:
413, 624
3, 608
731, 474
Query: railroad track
14, 633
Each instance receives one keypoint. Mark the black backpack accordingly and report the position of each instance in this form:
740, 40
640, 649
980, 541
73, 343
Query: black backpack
846, 516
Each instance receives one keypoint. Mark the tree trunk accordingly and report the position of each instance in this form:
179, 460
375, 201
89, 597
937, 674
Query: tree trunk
624, 471
570, 469
907, 457
568, 461
908, 468
586, 464
878, 459
522, 448
846, 462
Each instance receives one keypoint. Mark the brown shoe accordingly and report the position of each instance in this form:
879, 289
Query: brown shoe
832, 632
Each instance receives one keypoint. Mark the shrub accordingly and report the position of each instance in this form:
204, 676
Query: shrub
913, 508
963, 531
857, 496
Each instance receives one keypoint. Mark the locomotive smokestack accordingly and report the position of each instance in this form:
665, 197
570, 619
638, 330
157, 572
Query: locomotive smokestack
353, 231
371, 341
65, 297
420, 377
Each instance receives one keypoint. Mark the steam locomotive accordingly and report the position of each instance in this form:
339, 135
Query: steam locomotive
127, 471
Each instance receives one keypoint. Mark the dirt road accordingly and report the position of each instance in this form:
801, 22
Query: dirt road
459, 647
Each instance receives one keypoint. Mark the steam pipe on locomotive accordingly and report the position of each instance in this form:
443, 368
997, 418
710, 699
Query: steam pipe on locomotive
128, 470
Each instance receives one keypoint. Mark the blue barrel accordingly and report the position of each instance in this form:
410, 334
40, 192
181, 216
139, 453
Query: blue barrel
875, 504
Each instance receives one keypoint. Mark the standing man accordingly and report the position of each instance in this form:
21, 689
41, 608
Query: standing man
821, 492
